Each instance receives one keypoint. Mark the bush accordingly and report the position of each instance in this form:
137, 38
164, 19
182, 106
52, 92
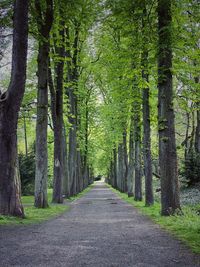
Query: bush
27, 172
191, 170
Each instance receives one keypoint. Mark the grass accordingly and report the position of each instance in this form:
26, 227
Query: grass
34, 215
185, 227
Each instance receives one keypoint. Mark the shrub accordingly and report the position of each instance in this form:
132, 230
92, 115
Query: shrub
191, 169
27, 172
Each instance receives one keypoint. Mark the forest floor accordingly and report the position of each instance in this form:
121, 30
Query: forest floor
99, 230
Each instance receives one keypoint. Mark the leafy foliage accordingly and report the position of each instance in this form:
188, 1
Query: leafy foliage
191, 169
27, 172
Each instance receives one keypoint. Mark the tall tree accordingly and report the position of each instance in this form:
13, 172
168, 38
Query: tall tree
56, 91
10, 101
72, 89
57, 117
44, 11
146, 114
131, 165
137, 141
147, 145
167, 143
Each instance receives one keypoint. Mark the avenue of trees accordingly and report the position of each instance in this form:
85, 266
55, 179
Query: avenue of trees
98, 87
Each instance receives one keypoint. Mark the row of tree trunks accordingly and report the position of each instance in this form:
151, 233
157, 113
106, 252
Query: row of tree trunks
71, 171
10, 101
132, 176
166, 123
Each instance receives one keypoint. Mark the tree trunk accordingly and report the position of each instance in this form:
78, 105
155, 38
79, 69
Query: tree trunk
192, 135
73, 79
10, 189
66, 187
137, 141
41, 129
120, 167
72, 143
85, 152
25, 136
115, 168
147, 142
185, 142
167, 143
149, 200
57, 115
125, 164
131, 167
197, 135
44, 26
79, 184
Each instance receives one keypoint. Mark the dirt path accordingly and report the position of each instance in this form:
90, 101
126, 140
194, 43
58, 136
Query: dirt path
100, 230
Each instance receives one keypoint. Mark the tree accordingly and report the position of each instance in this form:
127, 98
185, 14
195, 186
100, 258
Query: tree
167, 143
137, 141
10, 101
56, 91
146, 113
44, 24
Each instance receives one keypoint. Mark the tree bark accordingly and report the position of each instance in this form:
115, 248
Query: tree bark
85, 157
149, 200
57, 116
119, 167
131, 165
114, 168
186, 141
72, 143
137, 137
10, 101
25, 136
167, 143
45, 20
197, 133
122, 165
125, 163
73, 79
66, 186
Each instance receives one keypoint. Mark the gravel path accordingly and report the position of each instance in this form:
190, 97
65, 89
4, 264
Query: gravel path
100, 230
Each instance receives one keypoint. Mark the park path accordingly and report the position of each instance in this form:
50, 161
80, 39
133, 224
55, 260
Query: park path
100, 230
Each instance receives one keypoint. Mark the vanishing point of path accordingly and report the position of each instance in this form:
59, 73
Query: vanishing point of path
100, 230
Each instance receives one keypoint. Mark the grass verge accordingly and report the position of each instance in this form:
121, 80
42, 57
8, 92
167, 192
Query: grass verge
34, 215
185, 227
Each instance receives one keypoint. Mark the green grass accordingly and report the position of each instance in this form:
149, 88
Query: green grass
186, 227
29, 200
34, 215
